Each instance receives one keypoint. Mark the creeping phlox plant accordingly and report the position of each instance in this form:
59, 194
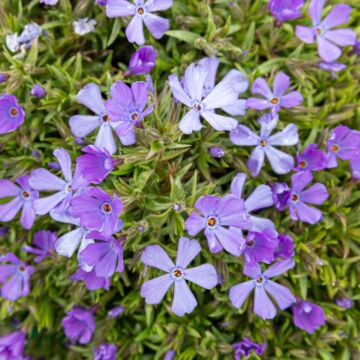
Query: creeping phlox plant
201, 202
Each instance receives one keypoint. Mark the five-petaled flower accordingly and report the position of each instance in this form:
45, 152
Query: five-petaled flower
308, 316
43, 245
11, 113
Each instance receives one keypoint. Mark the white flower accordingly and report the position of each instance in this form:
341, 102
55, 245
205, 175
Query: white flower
84, 26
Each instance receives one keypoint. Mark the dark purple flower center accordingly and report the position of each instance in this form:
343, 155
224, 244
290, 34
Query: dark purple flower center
263, 143
250, 242
260, 280
197, 107
134, 116
177, 273
25, 194
211, 221
140, 10
13, 111
335, 148
106, 208
106, 118
294, 197
302, 164
21, 268
274, 101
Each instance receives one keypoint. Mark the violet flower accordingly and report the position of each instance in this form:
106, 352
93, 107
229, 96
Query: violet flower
285, 10
96, 210
115, 312
79, 325
104, 256
355, 166
95, 165
346, 303
101, 2
328, 41
28, 36
83, 125
191, 93
84, 26
49, 2
184, 301
11, 113
281, 194
343, 143
260, 198
14, 277
105, 352
142, 61
216, 152
262, 284
298, 198
277, 98
44, 180
92, 282
12, 346
308, 316
37, 91
142, 12
311, 159
332, 68
127, 109
216, 215
3, 78
246, 346
264, 143
43, 245
285, 248
23, 197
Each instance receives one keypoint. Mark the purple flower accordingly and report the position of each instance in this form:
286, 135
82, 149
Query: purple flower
23, 197
44, 245
101, 2
332, 67
259, 247
264, 144
11, 113
37, 91
96, 210
343, 143
82, 125
262, 284
14, 277
84, 26
216, 213
3, 78
356, 48
328, 41
281, 194
216, 152
224, 95
308, 316
246, 346
3, 231
127, 109
285, 249
104, 256
346, 303
355, 166
142, 61
12, 346
115, 312
169, 355
49, 2
298, 197
79, 325
276, 99
92, 282
184, 301
260, 198
285, 10
141, 12
96, 165
44, 180
105, 352
311, 159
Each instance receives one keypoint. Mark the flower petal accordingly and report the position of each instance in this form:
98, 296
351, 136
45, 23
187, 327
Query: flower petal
135, 31
154, 290
300, 180
287, 137
281, 162
157, 25
83, 125
66, 244
291, 99
339, 14
194, 224
105, 139
158, 5
207, 204
195, 77
213, 243
327, 50
187, 251
28, 215
64, 160
178, 91
90, 96
7, 189
115, 8
281, 83
341, 37
229, 240
315, 10
239, 293
42, 179
305, 34
316, 194
263, 306
190, 122
204, 275
279, 268
305, 213
44, 205
184, 300
261, 197
261, 87
9, 210
237, 184
243, 136
256, 161
219, 122
155, 256
236, 108
258, 104
281, 294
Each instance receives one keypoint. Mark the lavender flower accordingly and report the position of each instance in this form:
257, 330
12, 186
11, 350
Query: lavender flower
84, 26
104, 256
276, 99
285, 248
260, 198
343, 143
216, 213
92, 282
96, 165
281, 194
142, 61
49, 2
356, 48
12, 346
328, 41
44, 180
355, 166
127, 109
44, 245
14, 277
101, 2
31, 32
3, 78
142, 12
82, 125
23, 197
79, 325
346, 303
11, 113
246, 346
105, 352
216, 152
285, 10
264, 144
191, 93
169, 355
3, 231
332, 67
96, 210
115, 312
37, 91
184, 301
311, 159
262, 284
308, 316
